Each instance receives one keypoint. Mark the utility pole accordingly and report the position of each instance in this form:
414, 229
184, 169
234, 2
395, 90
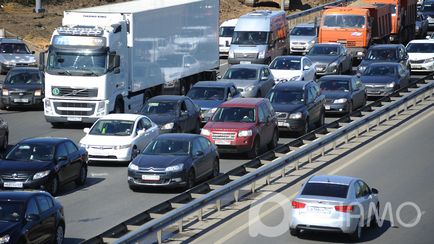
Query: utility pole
38, 7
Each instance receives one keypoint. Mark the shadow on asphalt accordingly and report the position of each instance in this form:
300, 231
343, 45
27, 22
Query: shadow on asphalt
72, 187
70, 240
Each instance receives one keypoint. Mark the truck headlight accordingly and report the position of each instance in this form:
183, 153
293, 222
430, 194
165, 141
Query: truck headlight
101, 107
174, 168
38, 93
168, 126
133, 167
391, 85
297, 115
5, 92
41, 174
47, 106
341, 100
261, 54
245, 133
231, 54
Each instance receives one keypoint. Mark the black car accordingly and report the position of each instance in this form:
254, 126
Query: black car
299, 105
23, 87
174, 160
343, 93
173, 113
330, 58
382, 79
30, 217
43, 163
395, 53
4, 134
208, 95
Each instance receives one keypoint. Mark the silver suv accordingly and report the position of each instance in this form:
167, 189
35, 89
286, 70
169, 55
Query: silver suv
14, 52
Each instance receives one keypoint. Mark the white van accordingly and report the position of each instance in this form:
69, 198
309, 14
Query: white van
259, 37
225, 35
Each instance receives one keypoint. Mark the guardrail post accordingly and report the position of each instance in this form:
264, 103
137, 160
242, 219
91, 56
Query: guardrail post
323, 151
283, 172
310, 157
334, 145
236, 195
414, 102
296, 164
267, 179
218, 205
378, 121
368, 127
253, 186
180, 227
160, 236
397, 111
199, 215
405, 106
346, 138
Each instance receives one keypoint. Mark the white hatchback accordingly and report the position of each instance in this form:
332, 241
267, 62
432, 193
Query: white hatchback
292, 68
118, 137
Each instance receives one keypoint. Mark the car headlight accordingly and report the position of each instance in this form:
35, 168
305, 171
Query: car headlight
261, 54
133, 167
341, 100
5, 239
391, 85
312, 42
5, 92
297, 115
361, 68
250, 88
245, 133
41, 174
38, 93
85, 146
205, 132
9, 62
168, 126
231, 54
429, 60
175, 168
118, 147
295, 78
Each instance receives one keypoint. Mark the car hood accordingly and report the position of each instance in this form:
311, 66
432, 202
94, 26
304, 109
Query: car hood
8, 227
18, 57
280, 74
228, 126
335, 94
377, 79
366, 62
105, 140
241, 83
208, 104
162, 119
8, 166
323, 59
159, 161
288, 108
301, 38
420, 56
22, 87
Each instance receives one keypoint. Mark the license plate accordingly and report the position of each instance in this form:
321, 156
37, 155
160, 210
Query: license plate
327, 107
416, 66
282, 124
319, 210
98, 152
245, 62
13, 184
73, 118
222, 142
21, 100
151, 177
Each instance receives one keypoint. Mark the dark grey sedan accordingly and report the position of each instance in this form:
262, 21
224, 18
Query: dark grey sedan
330, 58
382, 79
174, 160
343, 93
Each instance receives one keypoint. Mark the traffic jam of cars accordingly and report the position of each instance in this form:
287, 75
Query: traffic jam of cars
280, 82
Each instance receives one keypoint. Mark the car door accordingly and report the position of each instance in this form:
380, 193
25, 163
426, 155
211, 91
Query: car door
151, 131
75, 158
364, 198
316, 103
184, 117
264, 130
33, 229
47, 217
308, 70
356, 94
199, 162
270, 80
62, 164
404, 75
193, 113
208, 155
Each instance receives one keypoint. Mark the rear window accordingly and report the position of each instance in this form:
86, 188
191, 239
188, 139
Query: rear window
325, 190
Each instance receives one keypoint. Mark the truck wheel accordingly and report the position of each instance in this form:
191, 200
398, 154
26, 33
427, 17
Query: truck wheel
119, 107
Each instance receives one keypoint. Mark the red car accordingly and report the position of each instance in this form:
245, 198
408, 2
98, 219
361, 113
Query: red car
243, 125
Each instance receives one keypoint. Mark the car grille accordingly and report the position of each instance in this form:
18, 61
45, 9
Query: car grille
101, 147
320, 67
15, 176
21, 93
417, 61
79, 109
223, 136
281, 115
75, 92
246, 55
298, 43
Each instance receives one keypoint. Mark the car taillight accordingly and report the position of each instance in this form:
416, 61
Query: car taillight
343, 208
296, 204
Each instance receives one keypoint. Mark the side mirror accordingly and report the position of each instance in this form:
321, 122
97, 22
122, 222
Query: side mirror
61, 158
86, 130
306, 67
374, 190
219, 77
32, 217
141, 132
199, 154
264, 78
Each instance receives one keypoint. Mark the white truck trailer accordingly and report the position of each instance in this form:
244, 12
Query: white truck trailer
110, 59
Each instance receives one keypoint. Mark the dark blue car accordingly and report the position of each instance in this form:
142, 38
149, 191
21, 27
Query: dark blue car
30, 217
394, 53
174, 160
208, 95
343, 93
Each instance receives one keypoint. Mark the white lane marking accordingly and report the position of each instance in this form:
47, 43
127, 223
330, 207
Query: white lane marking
351, 161
223, 64
98, 174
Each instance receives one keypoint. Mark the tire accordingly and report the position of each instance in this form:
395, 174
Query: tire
339, 71
119, 108
197, 128
59, 235
53, 186
350, 107
178, 130
5, 143
134, 153
321, 120
306, 127
294, 232
81, 180
259, 94
374, 221
274, 140
2, 106
254, 152
191, 179
215, 169
357, 234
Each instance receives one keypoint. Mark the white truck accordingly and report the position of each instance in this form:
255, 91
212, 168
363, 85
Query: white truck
110, 59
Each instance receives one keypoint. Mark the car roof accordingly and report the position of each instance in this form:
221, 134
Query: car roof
422, 41
310, 24
334, 179
10, 40
229, 22
214, 84
290, 57
184, 136
50, 140
385, 46
299, 85
243, 102
252, 66
130, 117
19, 195
337, 77
167, 98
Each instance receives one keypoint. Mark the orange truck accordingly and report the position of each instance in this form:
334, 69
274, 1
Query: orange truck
357, 26
403, 19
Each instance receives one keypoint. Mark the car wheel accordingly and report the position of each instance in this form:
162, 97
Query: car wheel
60, 234
321, 120
374, 220
81, 180
134, 153
2, 106
294, 232
5, 143
306, 127
274, 140
53, 186
119, 108
350, 107
197, 128
215, 168
357, 234
259, 94
191, 179
254, 152
178, 130
339, 71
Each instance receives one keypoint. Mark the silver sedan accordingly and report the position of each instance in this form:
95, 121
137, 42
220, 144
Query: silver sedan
338, 204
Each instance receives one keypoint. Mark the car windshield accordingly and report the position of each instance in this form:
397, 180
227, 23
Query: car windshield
241, 74
250, 38
382, 54
92, 64
334, 85
14, 48
31, 152
11, 211
163, 107
420, 48
226, 31
344, 21
246, 115
320, 50
112, 128
303, 31
168, 146
377, 70
286, 97
286, 64
206, 93
23, 77
325, 190
428, 8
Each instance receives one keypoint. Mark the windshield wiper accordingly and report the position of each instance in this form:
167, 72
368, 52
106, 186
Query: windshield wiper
90, 73
64, 72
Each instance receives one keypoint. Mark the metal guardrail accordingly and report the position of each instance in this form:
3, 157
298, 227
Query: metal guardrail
215, 196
